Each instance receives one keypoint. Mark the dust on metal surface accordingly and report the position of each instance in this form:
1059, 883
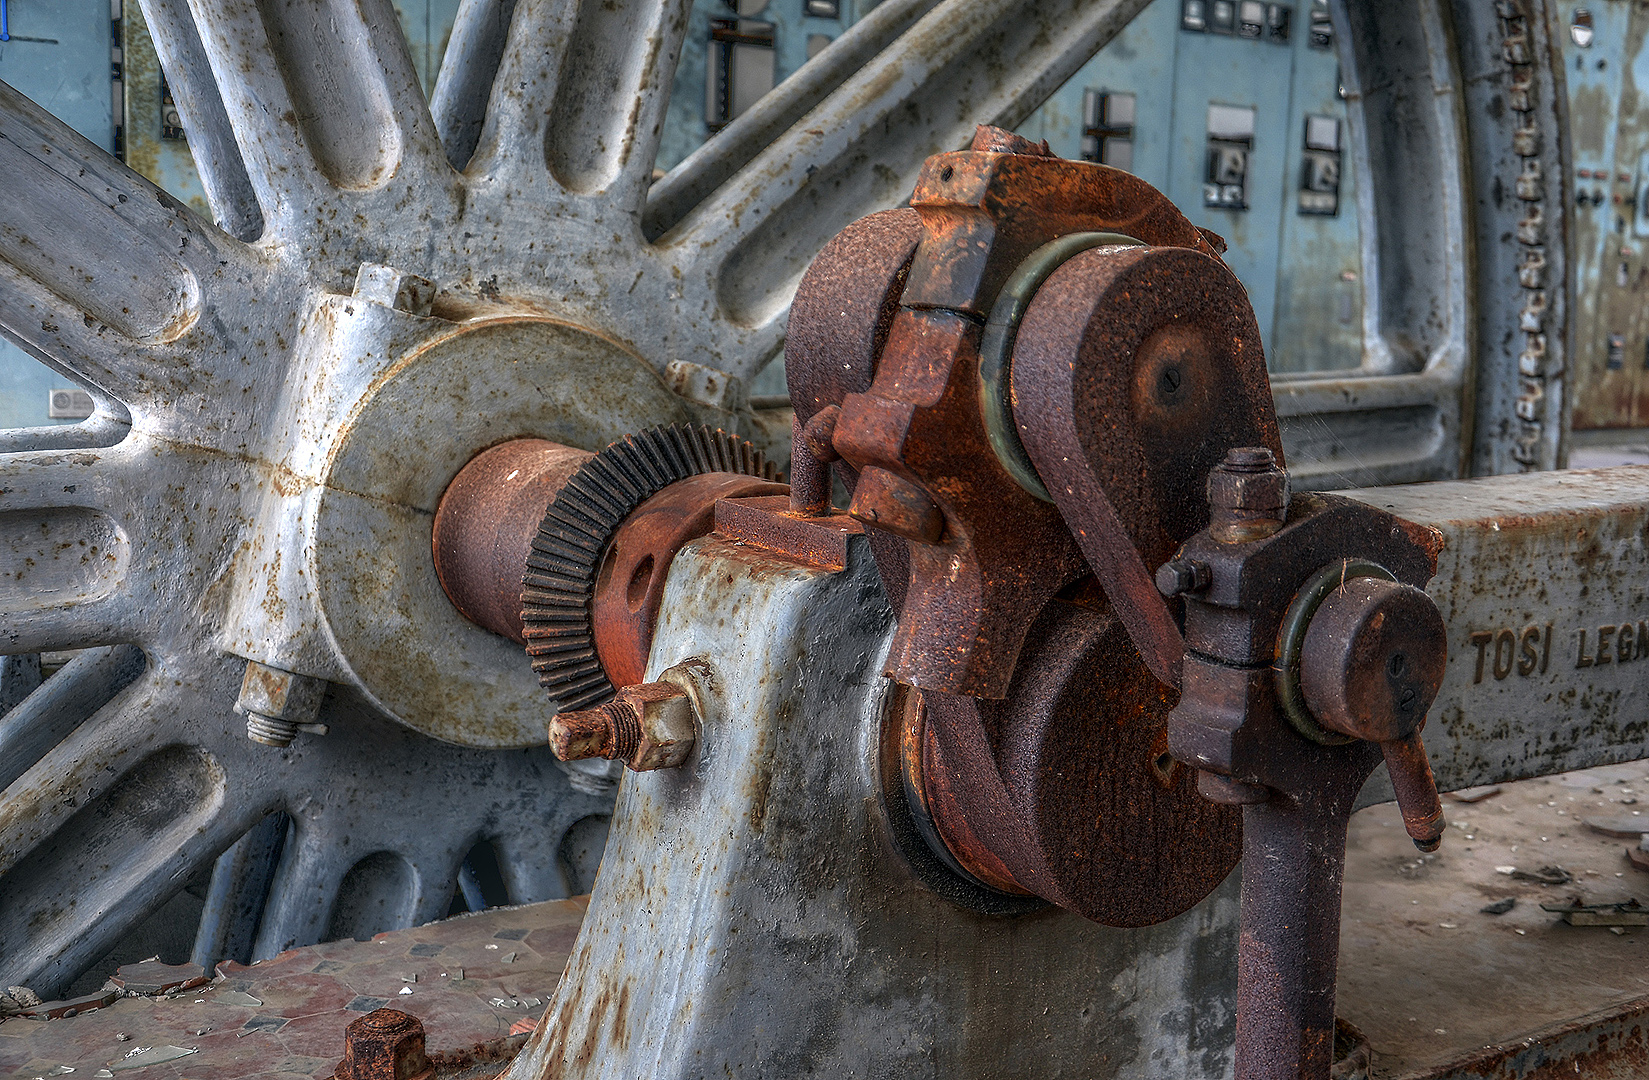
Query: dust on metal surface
1540, 584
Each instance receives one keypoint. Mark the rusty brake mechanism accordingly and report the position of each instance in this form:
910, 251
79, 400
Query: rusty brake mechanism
1136, 654
1130, 657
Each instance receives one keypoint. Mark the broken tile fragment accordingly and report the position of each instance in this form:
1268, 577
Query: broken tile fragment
154, 977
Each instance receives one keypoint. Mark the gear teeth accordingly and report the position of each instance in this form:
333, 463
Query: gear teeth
559, 578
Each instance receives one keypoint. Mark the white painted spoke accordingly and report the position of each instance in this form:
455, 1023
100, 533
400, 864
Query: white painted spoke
322, 97
965, 62
595, 124
474, 50
96, 263
100, 479
730, 149
102, 830
211, 138
511, 143
66, 548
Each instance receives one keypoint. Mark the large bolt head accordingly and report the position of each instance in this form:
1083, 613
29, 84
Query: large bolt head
1372, 660
385, 1044
669, 725
1247, 496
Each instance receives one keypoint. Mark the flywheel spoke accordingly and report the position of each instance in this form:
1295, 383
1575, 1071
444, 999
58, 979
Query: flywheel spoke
70, 524
596, 123
965, 62
459, 104
712, 164
97, 265
323, 99
212, 140
102, 830
46, 717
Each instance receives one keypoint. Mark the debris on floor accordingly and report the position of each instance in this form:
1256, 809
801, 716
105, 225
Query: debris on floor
284, 1018
1546, 875
1473, 794
1499, 907
1575, 913
1622, 826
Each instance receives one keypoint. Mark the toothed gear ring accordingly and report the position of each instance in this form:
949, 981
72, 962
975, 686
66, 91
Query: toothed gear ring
566, 555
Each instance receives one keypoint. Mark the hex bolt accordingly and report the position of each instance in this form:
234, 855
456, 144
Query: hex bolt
1178, 576
278, 704
648, 726
385, 1044
1247, 496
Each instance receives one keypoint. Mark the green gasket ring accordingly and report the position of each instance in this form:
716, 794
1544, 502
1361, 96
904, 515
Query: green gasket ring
1291, 638
996, 347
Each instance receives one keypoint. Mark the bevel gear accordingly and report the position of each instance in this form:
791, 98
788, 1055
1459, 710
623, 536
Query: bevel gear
566, 554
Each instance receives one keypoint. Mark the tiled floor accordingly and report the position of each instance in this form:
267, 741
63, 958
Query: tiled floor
469, 979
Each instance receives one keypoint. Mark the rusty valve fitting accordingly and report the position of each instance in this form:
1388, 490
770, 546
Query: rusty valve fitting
1370, 668
649, 726
1247, 496
385, 1044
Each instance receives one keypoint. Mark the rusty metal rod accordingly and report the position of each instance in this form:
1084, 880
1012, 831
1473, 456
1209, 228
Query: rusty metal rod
485, 524
811, 452
1293, 865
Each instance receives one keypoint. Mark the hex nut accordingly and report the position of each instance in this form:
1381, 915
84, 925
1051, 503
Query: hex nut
1178, 576
1247, 496
277, 703
647, 726
669, 725
385, 1044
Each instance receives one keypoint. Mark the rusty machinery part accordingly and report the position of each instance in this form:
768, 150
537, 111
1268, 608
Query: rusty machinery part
1371, 666
1136, 369
1291, 639
1297, 793
1066, 789
575, 535
485, 524
1006, 790
920, 423
385, 1044
629, 586
647, 726
996, 348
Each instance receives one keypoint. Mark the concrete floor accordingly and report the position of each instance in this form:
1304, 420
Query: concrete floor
1430, 978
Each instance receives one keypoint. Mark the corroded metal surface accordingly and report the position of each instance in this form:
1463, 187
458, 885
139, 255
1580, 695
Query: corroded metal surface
568, 569
630, 583
757, 914
485, 522
1125, 357
1296, 793
1540, 582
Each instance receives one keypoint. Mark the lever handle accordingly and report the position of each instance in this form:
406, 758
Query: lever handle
1370, 666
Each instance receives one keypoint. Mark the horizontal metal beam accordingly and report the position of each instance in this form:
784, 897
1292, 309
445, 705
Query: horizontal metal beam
1543, 582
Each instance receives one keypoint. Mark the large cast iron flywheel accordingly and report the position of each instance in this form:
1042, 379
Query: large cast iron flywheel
391, 286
